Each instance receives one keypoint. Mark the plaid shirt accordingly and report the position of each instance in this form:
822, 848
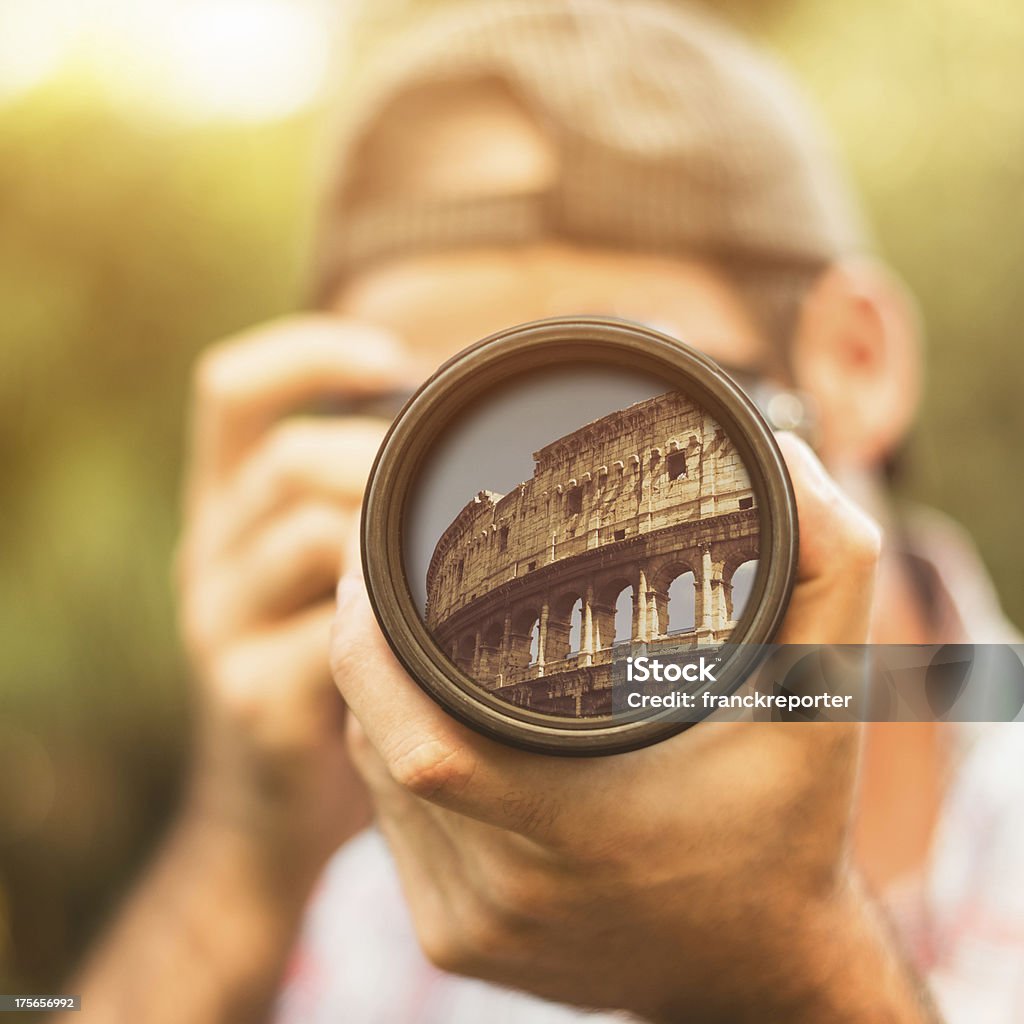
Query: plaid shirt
968, 936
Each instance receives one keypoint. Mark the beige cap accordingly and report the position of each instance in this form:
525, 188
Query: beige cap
671, 133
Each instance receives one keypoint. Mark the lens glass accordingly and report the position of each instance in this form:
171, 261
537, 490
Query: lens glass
574, 517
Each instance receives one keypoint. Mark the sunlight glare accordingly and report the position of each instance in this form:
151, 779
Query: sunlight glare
245, 59
32, 47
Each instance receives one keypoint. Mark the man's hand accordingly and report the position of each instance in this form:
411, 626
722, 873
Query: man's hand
271, 506
703, 878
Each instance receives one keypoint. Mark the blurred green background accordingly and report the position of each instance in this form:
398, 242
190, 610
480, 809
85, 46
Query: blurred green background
156, 170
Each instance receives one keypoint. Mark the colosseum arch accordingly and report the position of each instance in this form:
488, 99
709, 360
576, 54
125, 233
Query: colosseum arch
682, 604
524, 627
740, 587
666, 594
739, 559
567, 607
609, 611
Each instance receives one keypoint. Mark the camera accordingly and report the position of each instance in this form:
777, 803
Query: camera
561, 500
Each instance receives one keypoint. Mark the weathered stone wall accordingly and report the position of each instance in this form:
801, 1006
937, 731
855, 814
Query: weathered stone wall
660, 463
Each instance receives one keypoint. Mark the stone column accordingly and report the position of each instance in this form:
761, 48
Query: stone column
587, 644
719, 612
604, 626
704, 596
476, 654
505, 653
657, 610
640, 609
542, 637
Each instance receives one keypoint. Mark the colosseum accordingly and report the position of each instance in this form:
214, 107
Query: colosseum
625, 540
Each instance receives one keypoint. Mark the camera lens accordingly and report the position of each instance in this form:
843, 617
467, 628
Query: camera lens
562, 499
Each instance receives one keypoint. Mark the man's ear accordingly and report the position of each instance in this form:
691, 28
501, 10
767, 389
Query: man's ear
857, 353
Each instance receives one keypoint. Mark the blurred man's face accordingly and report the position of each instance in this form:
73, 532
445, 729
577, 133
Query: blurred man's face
482, 142
440, 303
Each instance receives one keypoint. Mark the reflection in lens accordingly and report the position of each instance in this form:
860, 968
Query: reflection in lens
562, 528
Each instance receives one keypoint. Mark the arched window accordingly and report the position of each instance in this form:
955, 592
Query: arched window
576, 626
624, 616
535, 642
742, 585
564, 627
682, 604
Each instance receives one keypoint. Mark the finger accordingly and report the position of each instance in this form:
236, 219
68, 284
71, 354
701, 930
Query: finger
299, 461
397, 802
839, 550
257, 682
248, 382
289, 564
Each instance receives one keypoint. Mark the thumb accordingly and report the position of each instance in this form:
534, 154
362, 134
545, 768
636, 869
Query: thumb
839, 551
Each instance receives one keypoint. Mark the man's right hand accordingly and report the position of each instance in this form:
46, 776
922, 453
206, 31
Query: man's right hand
271, 515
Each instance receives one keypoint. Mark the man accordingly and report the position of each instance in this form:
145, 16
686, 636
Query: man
506, 162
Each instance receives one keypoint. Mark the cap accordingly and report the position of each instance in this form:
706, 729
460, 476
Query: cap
671, 133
